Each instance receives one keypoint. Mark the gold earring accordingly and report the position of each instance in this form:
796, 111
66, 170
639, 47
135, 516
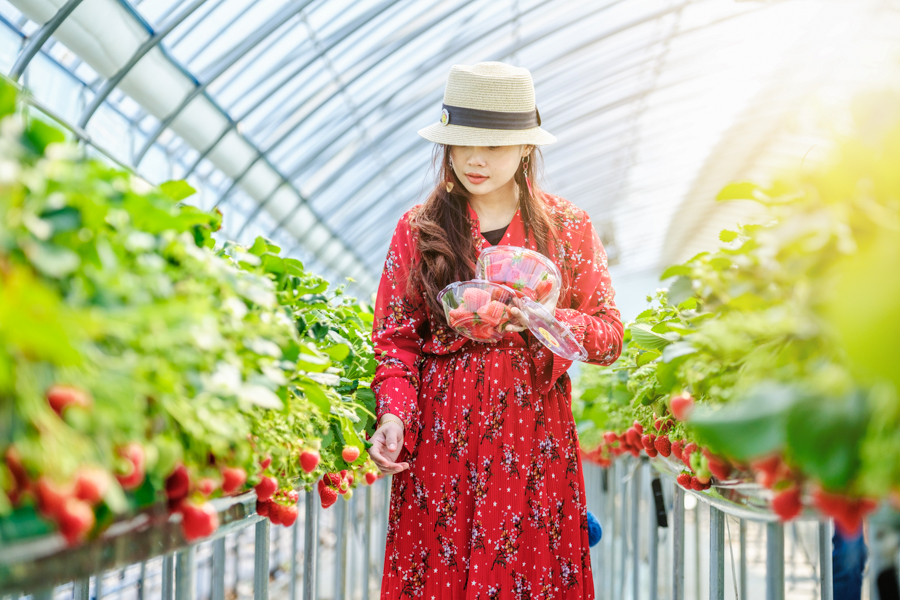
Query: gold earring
449, 186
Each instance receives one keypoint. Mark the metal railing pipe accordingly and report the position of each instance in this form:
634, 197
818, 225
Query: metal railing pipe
185, 588
826, 574
218, 570
774, 561
168, 577
310, 546
635, 530
678, 545
261, 562
716, 554
743, 544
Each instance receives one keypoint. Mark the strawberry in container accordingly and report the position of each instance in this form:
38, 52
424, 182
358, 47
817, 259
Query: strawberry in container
530, 274
477, 309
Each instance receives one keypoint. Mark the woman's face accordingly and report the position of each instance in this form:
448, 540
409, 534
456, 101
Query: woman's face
485, 169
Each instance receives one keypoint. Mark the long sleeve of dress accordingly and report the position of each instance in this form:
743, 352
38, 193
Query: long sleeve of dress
400, 325
591, 313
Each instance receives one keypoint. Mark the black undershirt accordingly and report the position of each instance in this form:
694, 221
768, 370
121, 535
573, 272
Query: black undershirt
494, 236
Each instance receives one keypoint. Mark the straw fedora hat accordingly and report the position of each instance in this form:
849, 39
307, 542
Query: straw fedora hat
488, 104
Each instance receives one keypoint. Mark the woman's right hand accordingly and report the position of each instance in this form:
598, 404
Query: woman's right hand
386, 445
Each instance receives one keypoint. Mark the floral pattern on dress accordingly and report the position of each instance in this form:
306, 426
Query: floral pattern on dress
493, 505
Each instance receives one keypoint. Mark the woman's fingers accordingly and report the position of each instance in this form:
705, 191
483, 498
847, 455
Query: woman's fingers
386, 445
516, 322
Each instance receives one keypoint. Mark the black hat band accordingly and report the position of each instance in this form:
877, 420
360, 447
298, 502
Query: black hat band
489, 119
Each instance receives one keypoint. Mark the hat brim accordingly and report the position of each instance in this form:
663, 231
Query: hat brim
457, 135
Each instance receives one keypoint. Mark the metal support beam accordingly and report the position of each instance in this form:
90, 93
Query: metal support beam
185, 586
310, 546
826, 571
774, 561
218, 569
743, 543
678, 545
110, 84
261, 561
40, 37
716, 554
636, 530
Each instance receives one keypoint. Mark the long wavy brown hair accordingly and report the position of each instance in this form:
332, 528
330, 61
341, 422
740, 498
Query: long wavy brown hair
444, 230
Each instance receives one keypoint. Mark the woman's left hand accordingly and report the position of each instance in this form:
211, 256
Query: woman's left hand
517, 318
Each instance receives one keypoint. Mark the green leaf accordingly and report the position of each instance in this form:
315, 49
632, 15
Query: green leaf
677, 350
643, 337
824, 437
746, 429
177, 190
8, 94
313, 392
726, 235
675, 270
680, 291
739, 191
720, 263
338, 352
67, 218
647, 357
40, 135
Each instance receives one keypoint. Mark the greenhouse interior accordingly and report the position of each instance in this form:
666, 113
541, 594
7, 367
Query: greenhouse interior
463, 299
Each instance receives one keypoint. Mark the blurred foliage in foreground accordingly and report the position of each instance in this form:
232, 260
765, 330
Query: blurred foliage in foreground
787, 335
139, 361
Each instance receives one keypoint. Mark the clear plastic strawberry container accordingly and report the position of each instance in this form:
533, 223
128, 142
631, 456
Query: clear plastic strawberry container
549, 331
530, 274
477, 309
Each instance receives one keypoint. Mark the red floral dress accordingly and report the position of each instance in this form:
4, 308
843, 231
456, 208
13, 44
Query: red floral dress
493, 504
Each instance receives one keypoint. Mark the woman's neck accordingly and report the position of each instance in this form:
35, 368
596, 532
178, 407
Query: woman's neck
496, 209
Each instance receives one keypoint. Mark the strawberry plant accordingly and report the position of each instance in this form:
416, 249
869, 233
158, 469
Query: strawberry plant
142, 363
777, 347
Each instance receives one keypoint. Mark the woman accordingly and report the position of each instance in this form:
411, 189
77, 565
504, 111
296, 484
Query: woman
487, 499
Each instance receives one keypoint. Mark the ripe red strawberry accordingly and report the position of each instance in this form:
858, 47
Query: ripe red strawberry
633, 438
543, 288
198, 520
663, 446
684, 479
264, 463
848, 513
288, 515
349, 453
233, 479
704, 478
786, 503
266, 488
75, 519
51, 496
61, 397
610, 437
475, 297
696, 484
262, 507
769, 470
91, 484
459, 315
178, 483
275, 512
309, 460
370, 478
681, 405
134, 454
639, 427
677, 446
686, 454
328, 496
719, 467
646, 441
207, 486
651, 452
332, 479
